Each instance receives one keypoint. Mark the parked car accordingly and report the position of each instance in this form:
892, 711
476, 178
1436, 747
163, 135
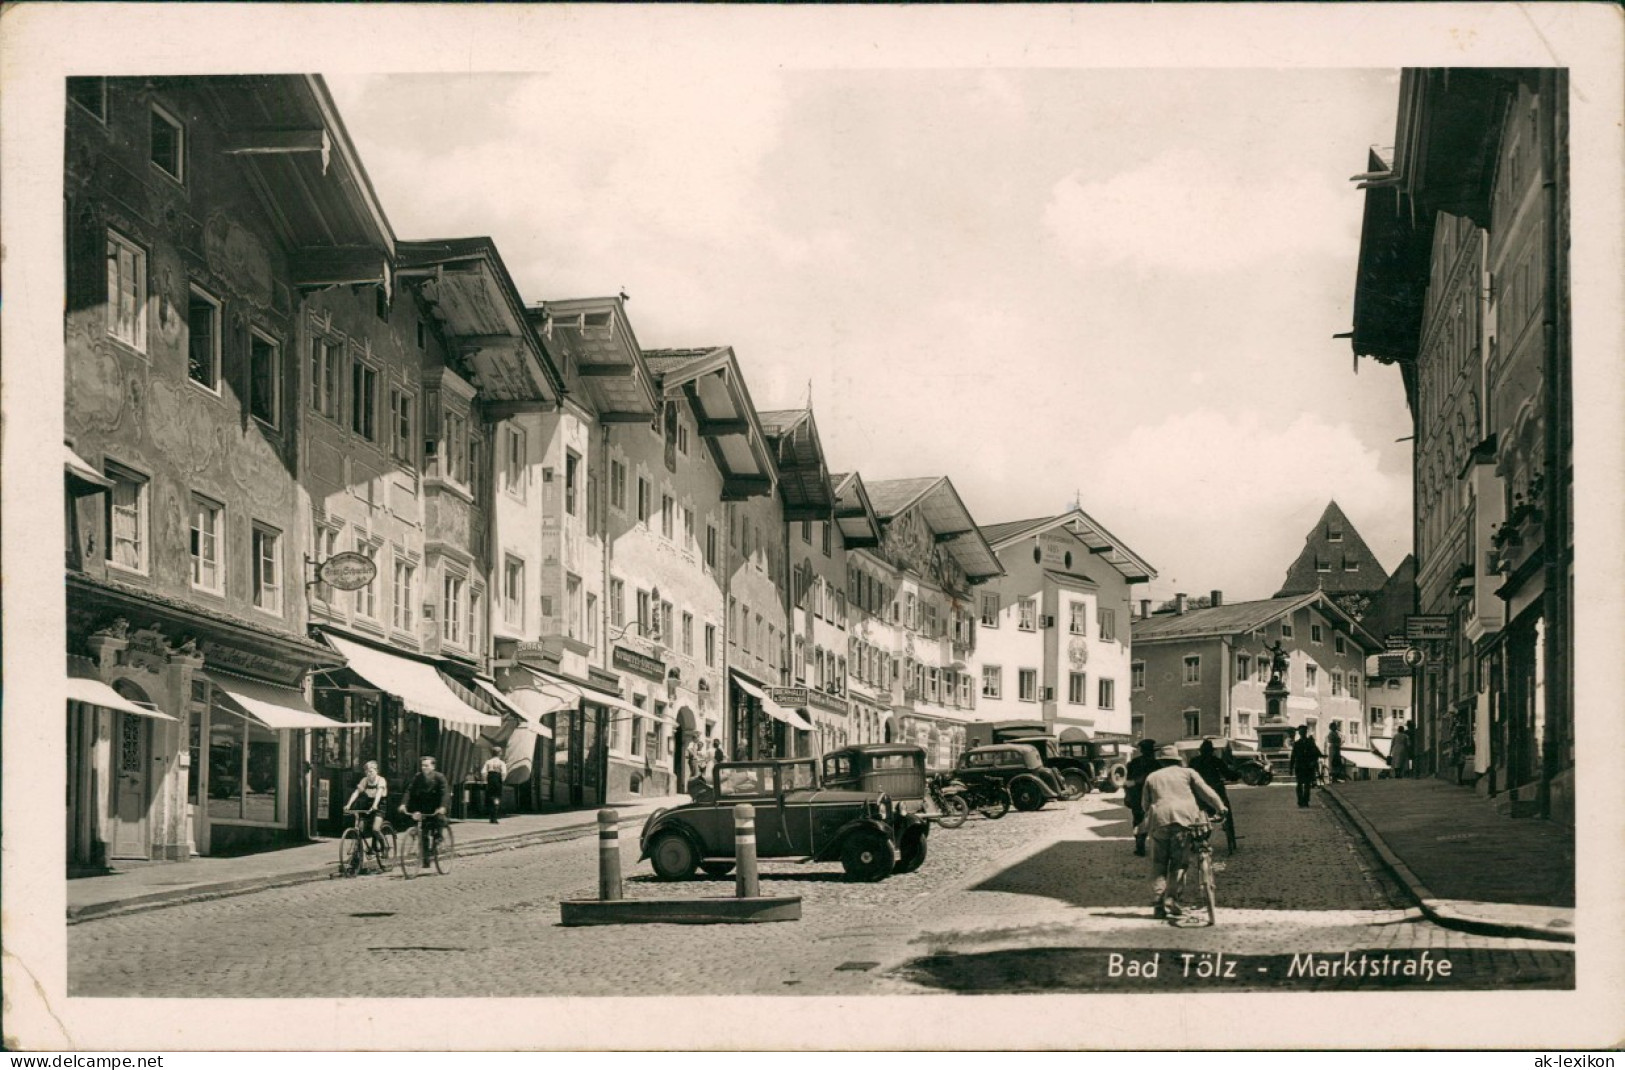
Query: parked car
869, 834
1018, 766
1242, 759
1076, 775
897, 769
1108, 760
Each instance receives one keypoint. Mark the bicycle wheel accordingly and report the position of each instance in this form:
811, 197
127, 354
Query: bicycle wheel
387, 857
406, 853
444, 851
351, 858
954, 812
1210, 896
996, 807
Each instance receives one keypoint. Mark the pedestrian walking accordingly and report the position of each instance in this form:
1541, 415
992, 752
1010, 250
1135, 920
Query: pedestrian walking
1334, 750
1399, 757
496, 771
1174, 798
1305, 763
1139, 767
1214, 771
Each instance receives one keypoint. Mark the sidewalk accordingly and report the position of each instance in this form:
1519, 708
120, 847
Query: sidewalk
1467, 865
145, 885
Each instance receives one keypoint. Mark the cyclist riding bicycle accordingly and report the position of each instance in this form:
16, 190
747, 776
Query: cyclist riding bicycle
425, 802
1173, 797
368, 799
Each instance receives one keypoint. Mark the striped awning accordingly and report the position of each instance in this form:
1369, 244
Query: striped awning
417, 684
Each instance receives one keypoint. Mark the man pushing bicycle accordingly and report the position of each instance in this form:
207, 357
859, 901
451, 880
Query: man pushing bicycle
1170, 798
425, 802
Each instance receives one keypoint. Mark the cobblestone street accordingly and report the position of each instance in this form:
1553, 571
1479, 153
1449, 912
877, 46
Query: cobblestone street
1060, 884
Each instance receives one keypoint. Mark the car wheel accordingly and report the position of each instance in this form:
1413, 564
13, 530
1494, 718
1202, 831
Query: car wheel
674, 858
912, 857
1118, 776
716, 869
868, 856
1077, 785
1027, 796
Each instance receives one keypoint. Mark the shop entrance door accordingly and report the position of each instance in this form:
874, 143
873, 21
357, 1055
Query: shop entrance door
131, 745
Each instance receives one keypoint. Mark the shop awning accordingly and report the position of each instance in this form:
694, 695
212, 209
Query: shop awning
1381, 747
773, 709
80, 469
616, 702
532, 721
279, 708
96, 693
415, 683
1363, 759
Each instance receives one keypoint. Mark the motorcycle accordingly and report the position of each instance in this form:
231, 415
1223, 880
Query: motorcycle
989, 797
1254, 771
947, 795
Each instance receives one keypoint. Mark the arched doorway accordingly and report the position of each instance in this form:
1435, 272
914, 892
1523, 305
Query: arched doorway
688, 732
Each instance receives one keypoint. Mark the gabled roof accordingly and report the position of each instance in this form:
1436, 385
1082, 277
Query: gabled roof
591, 340
467, 286
298, 159
854, 512
945, 514
714, 388
1350, 565
1238, 618
804, 481
1086, 529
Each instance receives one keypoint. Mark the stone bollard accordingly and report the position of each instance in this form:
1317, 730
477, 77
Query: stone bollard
609, 855
745, 886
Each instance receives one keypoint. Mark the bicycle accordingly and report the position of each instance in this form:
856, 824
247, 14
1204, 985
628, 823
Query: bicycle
440, 849
1197, 841
356, 846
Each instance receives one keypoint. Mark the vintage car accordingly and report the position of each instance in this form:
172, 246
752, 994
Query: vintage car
1076, 775
897, 769
1242, 760
1018, 766
1108, 760
795, 818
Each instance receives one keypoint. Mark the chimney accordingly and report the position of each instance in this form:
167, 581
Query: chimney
1179, 603
1145, 609
1217, 599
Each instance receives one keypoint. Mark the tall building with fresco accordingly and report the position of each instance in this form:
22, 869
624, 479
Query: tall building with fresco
1463, 285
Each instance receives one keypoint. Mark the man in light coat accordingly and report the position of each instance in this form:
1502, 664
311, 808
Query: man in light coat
1172, 797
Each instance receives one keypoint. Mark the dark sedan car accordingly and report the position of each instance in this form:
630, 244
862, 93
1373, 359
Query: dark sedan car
1020, 769
795, 818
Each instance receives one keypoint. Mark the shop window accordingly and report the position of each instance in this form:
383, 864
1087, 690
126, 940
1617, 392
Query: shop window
126, 291
203, 340
245, 767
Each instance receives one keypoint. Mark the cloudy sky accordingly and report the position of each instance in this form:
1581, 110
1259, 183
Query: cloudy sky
1119, 285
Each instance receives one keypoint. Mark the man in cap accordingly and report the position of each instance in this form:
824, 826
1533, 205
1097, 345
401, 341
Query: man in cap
1172, 797
1140, 766
1305, 763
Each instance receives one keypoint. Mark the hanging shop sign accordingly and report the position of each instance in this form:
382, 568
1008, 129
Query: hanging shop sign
1427, 629
348, 571
642, 664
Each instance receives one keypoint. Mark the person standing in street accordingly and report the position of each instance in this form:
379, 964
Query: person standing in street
1174, 799
1140, 766
495, 771
1334, 750
1214, 770
716, 754
1305, 763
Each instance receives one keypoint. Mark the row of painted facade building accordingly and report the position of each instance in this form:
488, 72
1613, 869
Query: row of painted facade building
591, 555
1463, 286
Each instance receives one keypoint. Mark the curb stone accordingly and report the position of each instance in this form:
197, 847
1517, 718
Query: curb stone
141, 902
1438, 910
